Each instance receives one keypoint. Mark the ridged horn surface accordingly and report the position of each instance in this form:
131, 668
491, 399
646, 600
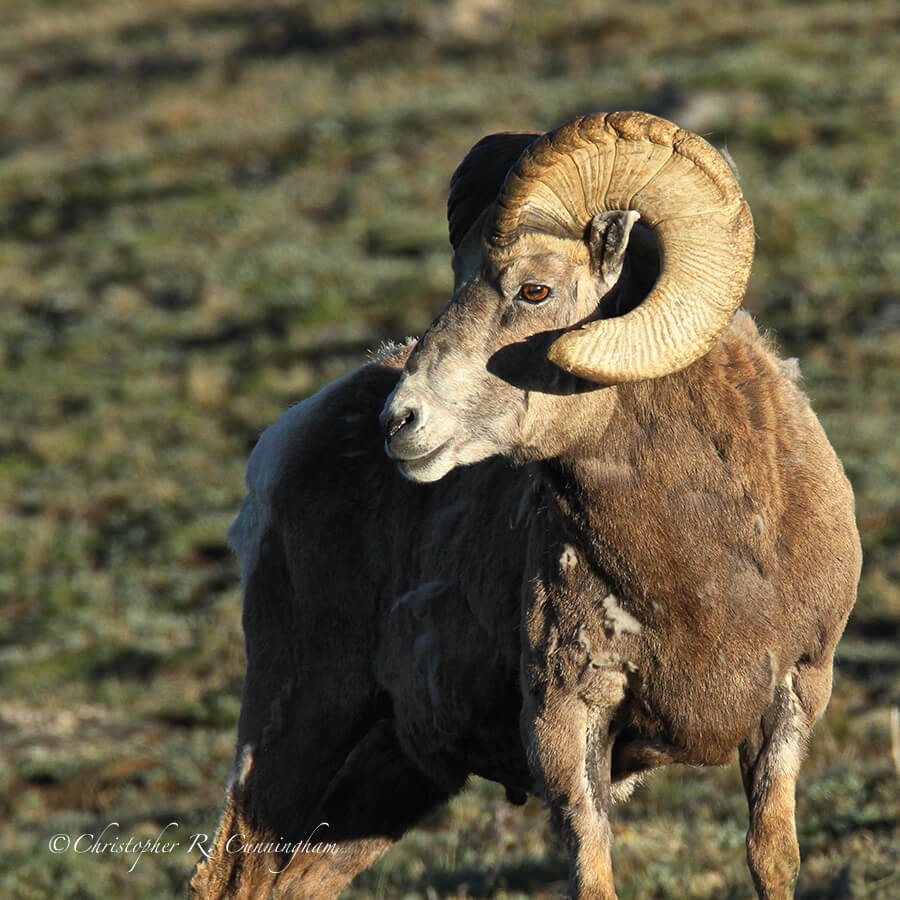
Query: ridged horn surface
683, 190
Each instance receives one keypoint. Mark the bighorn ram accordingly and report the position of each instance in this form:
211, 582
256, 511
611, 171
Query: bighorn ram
635, 547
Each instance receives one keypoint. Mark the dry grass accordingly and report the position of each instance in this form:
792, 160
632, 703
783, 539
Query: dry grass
208, 209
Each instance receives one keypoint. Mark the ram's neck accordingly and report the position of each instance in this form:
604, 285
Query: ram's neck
690, 468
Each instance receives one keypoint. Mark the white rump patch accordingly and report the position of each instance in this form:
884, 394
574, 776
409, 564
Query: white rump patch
618, 620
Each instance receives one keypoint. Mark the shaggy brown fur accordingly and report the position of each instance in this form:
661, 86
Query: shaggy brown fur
573, 584
681, 580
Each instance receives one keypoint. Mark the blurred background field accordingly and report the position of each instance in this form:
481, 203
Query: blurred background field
209, 209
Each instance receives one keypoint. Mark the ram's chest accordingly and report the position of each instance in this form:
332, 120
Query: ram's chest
674, 678
579, 632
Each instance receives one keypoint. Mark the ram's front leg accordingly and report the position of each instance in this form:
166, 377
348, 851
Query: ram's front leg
770, 761
568, 718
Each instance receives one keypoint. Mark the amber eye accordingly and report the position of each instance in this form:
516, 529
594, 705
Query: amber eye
534, 293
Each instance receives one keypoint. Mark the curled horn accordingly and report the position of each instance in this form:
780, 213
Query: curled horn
479, 177
684, 191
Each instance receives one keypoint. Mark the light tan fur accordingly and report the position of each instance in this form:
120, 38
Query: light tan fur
553, 583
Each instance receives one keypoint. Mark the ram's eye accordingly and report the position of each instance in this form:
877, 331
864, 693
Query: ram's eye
534, 293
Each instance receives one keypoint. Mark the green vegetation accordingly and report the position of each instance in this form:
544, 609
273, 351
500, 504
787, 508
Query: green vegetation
209, 209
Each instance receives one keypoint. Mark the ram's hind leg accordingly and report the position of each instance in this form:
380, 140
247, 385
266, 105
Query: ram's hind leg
321, 787
375, 796
770, 762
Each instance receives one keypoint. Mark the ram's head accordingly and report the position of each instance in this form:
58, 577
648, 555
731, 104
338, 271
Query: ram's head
559, 291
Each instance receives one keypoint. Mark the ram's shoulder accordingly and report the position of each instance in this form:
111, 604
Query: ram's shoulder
744, 352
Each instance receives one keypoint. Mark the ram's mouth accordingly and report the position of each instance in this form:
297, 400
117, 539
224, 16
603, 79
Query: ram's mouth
429, 466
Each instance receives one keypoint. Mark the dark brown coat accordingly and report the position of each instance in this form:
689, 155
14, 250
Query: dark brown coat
677, 580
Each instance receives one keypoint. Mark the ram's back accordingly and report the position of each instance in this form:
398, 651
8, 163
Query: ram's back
405, 597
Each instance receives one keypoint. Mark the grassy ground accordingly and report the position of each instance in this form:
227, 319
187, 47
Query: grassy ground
210, 208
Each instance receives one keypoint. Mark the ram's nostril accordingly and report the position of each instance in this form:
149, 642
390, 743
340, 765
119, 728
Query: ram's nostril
399, 421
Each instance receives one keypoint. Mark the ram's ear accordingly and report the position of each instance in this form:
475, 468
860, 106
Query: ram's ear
468, 255
479, 177
608, 240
